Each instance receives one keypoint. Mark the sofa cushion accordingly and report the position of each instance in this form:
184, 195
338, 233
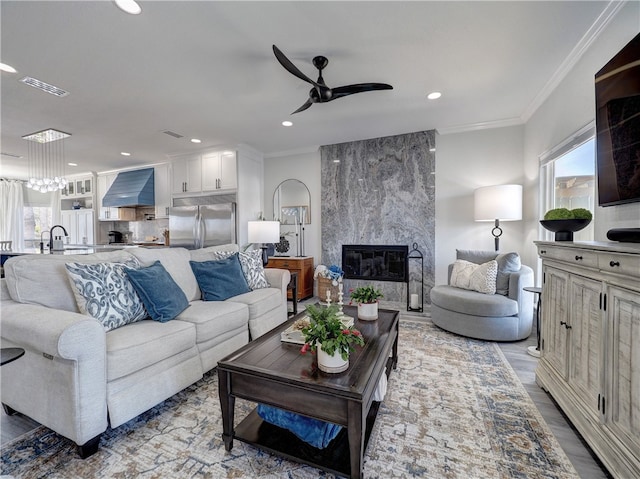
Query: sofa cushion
215, 320
42, 278
221, 279
103, 291
471, 302
161, 295
260, 301
476, 277
507, 263
139, 345
176, 262
251, 262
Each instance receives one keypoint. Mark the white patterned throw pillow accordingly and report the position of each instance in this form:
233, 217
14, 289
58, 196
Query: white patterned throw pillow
252, 267
103, 291
475, 277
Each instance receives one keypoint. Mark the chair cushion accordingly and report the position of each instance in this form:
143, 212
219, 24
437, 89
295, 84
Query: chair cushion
221, 279
471, 302
162, 297
139, 345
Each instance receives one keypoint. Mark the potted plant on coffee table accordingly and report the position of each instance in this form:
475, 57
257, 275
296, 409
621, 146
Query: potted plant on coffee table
367, 299
327, 335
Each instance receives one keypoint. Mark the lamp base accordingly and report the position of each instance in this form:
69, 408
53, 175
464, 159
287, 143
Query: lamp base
265, 255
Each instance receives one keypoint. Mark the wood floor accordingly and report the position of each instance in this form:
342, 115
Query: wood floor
585, 463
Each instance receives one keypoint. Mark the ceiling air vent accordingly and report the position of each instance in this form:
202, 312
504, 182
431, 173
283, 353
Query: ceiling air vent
40, 85
173, 134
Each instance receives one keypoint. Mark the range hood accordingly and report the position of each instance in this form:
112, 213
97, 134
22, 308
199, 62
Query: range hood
131, 188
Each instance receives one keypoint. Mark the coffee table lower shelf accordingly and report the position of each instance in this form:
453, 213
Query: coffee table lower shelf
334, 458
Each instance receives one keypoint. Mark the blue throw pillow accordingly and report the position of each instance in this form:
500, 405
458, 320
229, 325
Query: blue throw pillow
160, 294
221, 279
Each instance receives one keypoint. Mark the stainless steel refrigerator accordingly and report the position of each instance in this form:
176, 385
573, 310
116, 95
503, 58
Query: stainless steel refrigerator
201, 221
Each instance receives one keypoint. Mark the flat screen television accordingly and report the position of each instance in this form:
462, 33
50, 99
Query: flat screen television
617, 87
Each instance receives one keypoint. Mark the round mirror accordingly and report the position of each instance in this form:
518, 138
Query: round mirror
292, 203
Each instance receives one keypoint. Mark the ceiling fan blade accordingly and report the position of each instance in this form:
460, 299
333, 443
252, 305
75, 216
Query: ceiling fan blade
290, 67
306, 105
341, 91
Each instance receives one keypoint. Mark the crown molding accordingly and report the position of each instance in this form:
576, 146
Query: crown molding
483, 125
610, 11
294, 152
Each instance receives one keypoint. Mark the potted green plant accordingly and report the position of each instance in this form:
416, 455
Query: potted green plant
564, 222
327, 335
367, 299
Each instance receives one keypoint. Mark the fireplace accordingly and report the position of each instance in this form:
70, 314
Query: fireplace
376, 262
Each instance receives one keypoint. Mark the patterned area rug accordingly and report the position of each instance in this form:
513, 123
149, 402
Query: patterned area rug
454, 409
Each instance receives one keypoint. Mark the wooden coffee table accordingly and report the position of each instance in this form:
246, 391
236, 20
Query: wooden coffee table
273, 372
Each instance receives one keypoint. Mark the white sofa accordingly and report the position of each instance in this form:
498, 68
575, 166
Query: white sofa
77, 379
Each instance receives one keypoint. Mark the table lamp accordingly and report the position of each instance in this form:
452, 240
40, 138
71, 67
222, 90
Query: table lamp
264, 233
498, 203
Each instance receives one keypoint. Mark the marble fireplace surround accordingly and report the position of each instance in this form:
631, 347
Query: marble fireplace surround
381, 192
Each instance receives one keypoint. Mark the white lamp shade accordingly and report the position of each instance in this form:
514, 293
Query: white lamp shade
264, 231
500, 202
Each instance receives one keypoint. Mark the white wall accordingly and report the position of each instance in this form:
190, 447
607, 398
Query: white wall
464, 162
250, 189
303, 166
570, 107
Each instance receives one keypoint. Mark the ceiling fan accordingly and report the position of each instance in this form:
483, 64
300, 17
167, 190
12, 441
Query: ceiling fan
321, 93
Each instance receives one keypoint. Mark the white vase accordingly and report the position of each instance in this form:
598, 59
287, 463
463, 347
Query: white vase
368, 311
331, 364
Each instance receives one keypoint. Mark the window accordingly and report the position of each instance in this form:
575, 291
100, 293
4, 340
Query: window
567, 177
37, 217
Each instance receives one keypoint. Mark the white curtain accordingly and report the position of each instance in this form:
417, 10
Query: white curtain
12, 212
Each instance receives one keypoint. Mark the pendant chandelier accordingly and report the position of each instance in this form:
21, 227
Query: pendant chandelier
46, 160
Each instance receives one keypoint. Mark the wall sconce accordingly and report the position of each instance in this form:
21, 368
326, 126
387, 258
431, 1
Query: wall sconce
498, 203
264, 233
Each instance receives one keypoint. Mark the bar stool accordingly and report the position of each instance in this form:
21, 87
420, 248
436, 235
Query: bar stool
535, 350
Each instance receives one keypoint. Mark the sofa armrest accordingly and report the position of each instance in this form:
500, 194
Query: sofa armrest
65, 363
278, 278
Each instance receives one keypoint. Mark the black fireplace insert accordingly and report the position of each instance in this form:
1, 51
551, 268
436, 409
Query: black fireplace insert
375, 262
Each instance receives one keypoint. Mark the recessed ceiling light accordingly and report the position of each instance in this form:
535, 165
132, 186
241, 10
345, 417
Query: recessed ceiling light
7, 68
72, 164
336, 161
129, 6
432, 149
125, 153
195, 140
287, 123
434, 95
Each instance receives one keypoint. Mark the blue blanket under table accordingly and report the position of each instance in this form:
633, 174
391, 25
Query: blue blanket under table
313, 431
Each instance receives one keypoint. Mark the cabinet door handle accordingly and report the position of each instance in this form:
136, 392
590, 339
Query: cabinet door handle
598, 402
564, 323
614, 263
543, 251
578, 258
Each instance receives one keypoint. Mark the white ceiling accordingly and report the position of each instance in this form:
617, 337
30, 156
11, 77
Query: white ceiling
206, 69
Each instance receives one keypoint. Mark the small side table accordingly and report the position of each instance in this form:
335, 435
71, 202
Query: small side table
535, 351
293, 286
10, 354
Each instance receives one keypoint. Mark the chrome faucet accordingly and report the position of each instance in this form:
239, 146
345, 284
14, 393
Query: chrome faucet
42, 241
51, 235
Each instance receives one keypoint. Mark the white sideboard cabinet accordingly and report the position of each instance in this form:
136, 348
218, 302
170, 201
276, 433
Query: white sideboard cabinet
590, 344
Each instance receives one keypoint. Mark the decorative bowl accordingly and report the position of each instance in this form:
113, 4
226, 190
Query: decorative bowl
564, 229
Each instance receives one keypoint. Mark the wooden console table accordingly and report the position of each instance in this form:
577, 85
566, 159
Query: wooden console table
303, 265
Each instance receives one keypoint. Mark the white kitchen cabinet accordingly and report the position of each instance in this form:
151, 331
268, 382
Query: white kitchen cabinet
162, 188
117, 214
79, 225
205, 172
78, 187
104, 182
590, 344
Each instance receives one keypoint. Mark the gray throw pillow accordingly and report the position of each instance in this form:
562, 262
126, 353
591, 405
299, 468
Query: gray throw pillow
252, 267
103, 291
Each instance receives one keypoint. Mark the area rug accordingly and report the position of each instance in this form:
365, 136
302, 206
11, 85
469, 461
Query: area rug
454, 409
